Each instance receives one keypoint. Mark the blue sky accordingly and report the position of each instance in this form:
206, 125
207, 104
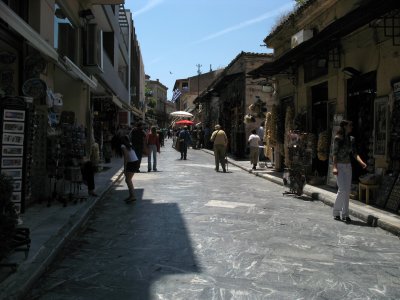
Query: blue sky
176, 35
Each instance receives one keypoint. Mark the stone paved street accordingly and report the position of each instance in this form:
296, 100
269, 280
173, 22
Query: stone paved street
198, 234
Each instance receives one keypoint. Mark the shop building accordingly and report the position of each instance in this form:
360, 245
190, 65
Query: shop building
187, 90
333, 60
236, 101
156, 102
62, 64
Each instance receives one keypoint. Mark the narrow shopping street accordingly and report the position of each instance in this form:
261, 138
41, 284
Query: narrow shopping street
198, 234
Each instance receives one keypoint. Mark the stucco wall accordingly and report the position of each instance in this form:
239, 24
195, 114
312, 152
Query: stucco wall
75, 96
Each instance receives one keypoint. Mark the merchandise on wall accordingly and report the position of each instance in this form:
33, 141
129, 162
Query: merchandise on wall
39, 170
331, 179
16, 144
65, 150
393, 202
394, 146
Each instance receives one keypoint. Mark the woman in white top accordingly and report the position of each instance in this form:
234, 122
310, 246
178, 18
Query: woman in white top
254, 141
131, 165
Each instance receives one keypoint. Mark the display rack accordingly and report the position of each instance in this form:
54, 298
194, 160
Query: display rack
65, 151
16, 144
299, 160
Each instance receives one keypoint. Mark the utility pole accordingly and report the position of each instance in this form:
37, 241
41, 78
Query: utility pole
198, 78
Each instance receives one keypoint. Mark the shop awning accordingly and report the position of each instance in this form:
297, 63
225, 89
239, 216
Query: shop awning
78, 73
219, 83
25, 30
125, 106
116, 101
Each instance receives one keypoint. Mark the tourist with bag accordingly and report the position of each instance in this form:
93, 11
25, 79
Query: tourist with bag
137, 137
131, 165
220, 141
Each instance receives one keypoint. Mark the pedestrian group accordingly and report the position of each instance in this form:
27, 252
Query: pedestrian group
137, 143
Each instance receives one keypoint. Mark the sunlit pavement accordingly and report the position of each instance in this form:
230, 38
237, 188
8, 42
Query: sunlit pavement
197, 234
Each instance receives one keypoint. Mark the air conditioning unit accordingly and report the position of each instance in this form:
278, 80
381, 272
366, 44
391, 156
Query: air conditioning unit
300, 37
93, 49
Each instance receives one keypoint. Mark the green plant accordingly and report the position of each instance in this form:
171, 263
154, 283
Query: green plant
300, 2
152, 102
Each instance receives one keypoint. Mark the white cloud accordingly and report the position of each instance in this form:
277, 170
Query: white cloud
247, 23
150, 5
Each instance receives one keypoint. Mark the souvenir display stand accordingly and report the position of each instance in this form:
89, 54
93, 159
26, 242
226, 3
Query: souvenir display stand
16, 132
65, 151
73, 151
299, 160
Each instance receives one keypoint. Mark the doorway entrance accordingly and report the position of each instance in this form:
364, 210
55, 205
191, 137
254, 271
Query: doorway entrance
361, 92
319, 101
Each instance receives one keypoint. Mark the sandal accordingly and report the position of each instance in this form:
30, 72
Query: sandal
130, 199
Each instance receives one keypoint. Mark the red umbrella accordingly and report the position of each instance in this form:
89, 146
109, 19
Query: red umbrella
184, 122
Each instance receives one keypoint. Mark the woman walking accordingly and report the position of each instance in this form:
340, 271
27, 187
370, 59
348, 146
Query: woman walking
153, 144
131, 165
344, 146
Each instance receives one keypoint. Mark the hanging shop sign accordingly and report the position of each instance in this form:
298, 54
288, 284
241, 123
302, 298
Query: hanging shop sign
35, 88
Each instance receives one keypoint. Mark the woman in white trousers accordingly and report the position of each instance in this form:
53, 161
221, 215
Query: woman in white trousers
343, 148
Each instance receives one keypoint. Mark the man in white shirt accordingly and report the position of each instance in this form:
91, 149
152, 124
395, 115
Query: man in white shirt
254, 141
260, 133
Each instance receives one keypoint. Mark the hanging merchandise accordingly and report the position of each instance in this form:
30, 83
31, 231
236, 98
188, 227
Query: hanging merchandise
16, 141
288, 128
323, 146
267, 136
54, 100
65, 149
273, 126
258, 108
39, 170
294, 175
249, 119
35, 88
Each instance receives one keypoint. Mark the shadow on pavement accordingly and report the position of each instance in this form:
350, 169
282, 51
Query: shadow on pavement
122, 252
359, 223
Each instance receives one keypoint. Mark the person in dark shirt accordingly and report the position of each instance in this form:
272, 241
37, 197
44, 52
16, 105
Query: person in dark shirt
343, 148
184, 141
137, 137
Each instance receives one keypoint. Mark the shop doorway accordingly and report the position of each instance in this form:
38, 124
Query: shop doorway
361, 92
319, 119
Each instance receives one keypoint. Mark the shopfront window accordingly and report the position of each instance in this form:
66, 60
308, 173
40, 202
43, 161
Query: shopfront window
319, 96
315, 68
361, 93
65, 35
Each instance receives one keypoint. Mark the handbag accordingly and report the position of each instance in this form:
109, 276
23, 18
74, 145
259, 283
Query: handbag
176, 145
145, 150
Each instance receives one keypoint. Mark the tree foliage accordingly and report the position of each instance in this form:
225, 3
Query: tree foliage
300, 2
